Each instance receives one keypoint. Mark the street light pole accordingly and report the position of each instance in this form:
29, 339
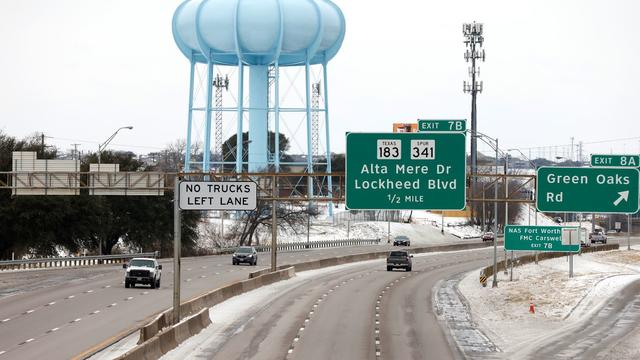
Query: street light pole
101, 147
495, 226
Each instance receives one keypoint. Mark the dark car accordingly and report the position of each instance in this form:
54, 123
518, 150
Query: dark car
488, 236
399, 259
401, 240
245, 254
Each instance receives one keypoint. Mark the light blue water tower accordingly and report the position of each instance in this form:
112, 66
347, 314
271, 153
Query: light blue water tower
263, 35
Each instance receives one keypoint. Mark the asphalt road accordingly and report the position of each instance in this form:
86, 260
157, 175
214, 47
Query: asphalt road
355, 312
59, 313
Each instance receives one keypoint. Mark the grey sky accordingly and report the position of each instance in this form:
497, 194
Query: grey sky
78, 69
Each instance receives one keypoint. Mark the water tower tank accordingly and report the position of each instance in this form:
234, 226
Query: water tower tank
262, 35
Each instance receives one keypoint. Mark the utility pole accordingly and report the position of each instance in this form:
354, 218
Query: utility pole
219, 83
473, 40
75, 151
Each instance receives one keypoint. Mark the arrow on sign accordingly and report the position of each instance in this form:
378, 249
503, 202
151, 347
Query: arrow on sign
624, 195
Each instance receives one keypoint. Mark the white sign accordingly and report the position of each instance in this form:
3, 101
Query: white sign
218, 195
389, 149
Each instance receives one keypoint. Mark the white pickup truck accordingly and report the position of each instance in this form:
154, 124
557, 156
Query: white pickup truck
598, 237
142, 271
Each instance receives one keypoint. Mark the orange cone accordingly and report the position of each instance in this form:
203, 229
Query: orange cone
532, 308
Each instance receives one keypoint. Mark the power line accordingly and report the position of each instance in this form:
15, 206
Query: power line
98, 142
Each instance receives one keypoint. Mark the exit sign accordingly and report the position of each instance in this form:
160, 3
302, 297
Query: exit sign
442, 125
615, 160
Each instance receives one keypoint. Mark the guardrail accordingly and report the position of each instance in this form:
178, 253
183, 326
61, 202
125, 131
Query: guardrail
306, 245
70, 261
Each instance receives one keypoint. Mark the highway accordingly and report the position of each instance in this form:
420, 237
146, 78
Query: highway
60, 313
357, 311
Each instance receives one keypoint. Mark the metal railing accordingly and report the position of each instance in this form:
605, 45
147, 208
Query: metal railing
71, 261
307, 245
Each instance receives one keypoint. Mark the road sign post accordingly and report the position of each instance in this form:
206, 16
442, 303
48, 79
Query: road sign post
405, 171
595, 190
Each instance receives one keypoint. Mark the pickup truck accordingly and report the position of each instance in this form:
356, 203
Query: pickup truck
142, 271
399, 259
596, 237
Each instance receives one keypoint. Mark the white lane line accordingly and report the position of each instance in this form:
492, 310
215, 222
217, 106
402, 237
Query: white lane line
5, 320
203, 267
129, 298
26, 341
2, 352
217, 273
112, 305
88, 291
53, 330
203, 276
188, 280
51, 303
70, 297
106, 286
189, 269
95, 312
28, 312
75, 321
144, 293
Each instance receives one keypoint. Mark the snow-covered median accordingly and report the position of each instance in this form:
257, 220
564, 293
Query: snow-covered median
502, 313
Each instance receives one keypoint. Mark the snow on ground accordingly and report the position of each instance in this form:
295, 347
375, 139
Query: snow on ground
503, 312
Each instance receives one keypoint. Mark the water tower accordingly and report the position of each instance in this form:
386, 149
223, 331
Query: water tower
269, 37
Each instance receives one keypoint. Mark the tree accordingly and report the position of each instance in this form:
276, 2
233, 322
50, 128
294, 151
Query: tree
229, 148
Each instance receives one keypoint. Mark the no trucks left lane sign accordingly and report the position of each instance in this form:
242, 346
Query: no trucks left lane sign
218, 195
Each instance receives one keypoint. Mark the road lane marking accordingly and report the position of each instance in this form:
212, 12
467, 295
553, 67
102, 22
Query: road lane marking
106, 286
144, 293
28, 312
112, 305
52, 330
203, 276
188, 280
88, 291
5, 320
95, 312
26, 341
129, 298
2, 352
51, 303
70, 297
75, 321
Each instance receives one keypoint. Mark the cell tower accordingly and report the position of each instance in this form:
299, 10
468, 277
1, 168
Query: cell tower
315, 119
219, 83
473, 40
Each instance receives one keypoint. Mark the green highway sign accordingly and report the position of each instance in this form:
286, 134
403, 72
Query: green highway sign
442, 125
584, 189
542, 238
632, 161
405, 171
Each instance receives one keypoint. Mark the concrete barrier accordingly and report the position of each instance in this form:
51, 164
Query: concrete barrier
169, 339
210, 299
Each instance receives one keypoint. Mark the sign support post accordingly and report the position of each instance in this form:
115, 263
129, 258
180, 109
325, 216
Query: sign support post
274, 226
177, 245
629, 232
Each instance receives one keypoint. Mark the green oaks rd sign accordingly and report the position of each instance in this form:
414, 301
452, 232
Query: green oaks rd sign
632, 161
405, 171
541, 238
583, 189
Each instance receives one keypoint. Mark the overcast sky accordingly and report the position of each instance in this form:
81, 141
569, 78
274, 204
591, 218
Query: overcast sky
78, 69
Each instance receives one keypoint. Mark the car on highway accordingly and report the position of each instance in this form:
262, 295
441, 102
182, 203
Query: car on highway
399, 259
488, 236
598, 237
142, 271
401, 240
245, 254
